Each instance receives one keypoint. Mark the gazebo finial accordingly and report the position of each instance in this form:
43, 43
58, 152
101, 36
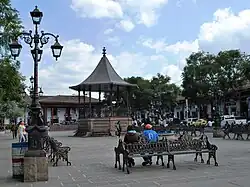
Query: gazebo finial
104, 51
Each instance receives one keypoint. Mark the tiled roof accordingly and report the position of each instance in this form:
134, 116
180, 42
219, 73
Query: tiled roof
64, 99
102, 77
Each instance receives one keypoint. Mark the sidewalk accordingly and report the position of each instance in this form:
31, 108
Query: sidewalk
5, 160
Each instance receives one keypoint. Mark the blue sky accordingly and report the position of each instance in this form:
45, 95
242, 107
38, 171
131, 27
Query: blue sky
142, 37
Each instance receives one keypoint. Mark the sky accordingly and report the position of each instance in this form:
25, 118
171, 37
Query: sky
142, 37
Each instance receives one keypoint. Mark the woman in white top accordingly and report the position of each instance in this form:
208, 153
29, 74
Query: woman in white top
22, 132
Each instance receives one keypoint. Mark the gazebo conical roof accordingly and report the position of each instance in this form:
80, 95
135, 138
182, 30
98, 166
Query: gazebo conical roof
102, 77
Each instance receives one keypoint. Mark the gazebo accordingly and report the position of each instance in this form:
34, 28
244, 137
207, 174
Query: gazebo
103, 79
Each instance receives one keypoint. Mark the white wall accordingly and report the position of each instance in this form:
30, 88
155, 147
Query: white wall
178, 109
60, 114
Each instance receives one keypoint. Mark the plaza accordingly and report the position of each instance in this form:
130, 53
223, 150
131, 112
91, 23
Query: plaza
93, 165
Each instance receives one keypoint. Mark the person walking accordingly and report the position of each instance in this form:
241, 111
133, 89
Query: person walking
14, 129
21, 132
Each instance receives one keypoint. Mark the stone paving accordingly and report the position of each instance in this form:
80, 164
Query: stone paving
93, 165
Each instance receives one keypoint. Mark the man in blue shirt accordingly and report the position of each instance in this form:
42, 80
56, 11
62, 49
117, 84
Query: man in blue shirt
152, 137
150, 134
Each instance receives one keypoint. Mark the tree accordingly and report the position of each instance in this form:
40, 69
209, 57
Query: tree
10, 25
164, 91
11, 81
245, 66
140, 97
208, 75
199, 76
158, 90
10, 110
231, 74
210, 78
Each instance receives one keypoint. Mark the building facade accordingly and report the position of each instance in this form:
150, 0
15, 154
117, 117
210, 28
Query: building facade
231, 105
61, 108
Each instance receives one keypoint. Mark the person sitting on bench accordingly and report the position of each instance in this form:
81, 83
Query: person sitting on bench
152, 137
131, 137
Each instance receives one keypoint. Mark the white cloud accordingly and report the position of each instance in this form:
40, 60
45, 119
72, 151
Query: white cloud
174, 72
97, 8
114, 40
142, 11
108, 31
126, 25
226, 31
146, 11
79, 59
157, 58
177, 48
157, 45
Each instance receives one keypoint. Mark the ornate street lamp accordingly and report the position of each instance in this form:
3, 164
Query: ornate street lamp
56, 50
37, 129
36, 16
39, 53
15, 49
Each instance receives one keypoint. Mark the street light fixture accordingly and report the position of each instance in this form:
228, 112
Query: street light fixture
39, 54
36, 16
40, 91
56, 49
15, 48
37, 129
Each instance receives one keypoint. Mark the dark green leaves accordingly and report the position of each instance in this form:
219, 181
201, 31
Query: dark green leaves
11, 81
208, 76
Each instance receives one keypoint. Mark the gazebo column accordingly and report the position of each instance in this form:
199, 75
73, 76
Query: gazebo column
111, 99
79, 97
79, 103
84, 101
128, 105
90, 104
117, 98
100, 110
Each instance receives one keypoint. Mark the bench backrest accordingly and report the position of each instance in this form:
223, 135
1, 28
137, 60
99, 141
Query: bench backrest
165, 146
142, 148
181, 145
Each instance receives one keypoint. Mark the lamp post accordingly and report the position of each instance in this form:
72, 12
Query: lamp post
37, 130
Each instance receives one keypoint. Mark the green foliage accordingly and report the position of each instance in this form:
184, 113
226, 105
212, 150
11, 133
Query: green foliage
207, 76
11, 81
230, 72
157, 89
10, 110
10, 25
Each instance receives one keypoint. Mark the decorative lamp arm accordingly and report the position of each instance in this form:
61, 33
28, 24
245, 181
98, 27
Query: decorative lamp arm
44, 38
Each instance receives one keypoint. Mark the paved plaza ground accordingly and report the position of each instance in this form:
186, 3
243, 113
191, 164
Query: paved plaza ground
93, 165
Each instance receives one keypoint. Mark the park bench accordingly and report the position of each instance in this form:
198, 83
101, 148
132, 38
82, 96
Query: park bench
168, 148
56, 151
237, 131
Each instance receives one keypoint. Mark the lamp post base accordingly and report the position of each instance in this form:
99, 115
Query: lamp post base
35, 166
